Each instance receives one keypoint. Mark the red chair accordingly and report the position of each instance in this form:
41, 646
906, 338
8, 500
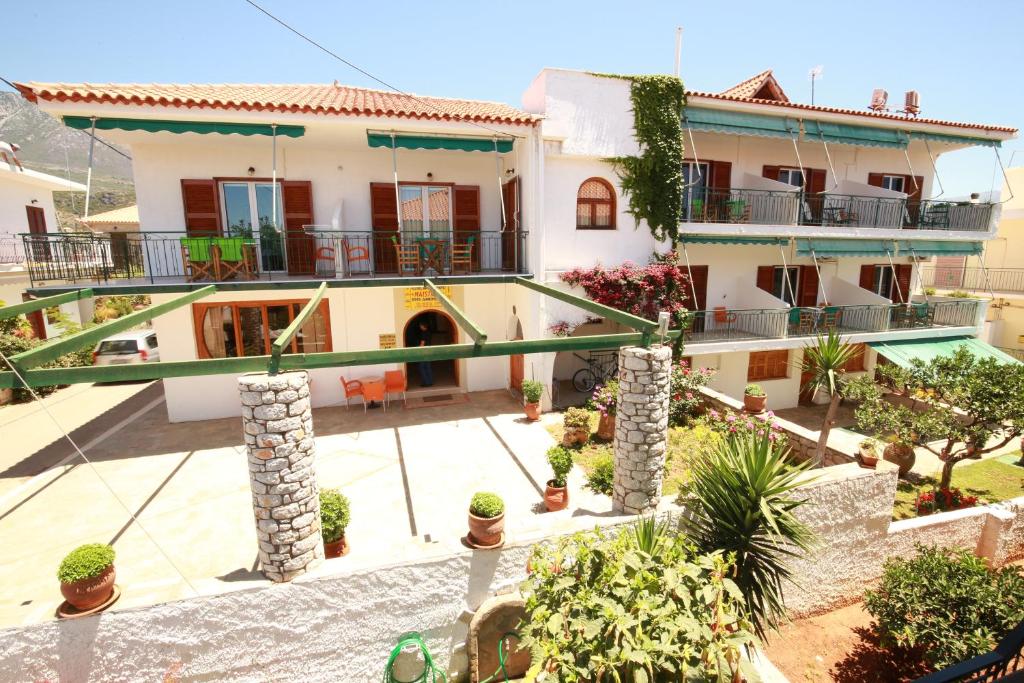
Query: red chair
352, 390
395, 383
354, 254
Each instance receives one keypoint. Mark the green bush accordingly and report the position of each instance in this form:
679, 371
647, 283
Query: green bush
576, 418
929, 291
85, 562
960, 294
685, 398
946, 604
560, 459
532, 390
754, 390
640, 606
602, 474
334, 515
486, 505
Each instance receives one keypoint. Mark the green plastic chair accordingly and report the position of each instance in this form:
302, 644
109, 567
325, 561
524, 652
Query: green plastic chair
794, 315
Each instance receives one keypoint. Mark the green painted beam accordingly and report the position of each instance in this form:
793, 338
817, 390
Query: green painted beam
46, 302
478, 335
627, 319
72, 342
285, 338
136, 371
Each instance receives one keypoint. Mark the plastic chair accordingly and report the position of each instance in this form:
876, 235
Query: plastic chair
395, 383
374, 391
354, 254
723, 316
352, 390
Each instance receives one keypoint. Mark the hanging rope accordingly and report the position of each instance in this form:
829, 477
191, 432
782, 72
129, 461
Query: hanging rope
906, 155
828, 156
1006, 179
394, 171
935, 170
896, 280
430, 673
689, 272
785, 274
920, 285
984, 271
273, 177
88, 174
821, 283
696, 160
501, 194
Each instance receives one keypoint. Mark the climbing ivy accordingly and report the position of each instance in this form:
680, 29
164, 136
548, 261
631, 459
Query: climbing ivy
653, 181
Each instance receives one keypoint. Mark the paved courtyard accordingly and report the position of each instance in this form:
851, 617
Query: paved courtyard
408, 472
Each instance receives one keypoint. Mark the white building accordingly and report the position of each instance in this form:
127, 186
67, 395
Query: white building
834, 195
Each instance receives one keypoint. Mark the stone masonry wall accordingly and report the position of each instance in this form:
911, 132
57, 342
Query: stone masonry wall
278, 426
641, 427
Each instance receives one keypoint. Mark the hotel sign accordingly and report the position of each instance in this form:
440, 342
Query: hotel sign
419, 298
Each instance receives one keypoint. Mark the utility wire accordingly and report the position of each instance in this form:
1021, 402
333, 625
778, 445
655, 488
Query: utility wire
369, 75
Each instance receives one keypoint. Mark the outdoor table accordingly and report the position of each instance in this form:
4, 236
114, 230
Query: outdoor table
433, 255
373, 390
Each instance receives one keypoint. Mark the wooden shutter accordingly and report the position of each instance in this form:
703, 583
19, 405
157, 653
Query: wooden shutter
808, 294
875, 179
297, 201
511, 229
202, 206
814, 183
721, 175
36, 220
815, 180
765, 278
384, 220
903, 273
466, 203
771, 172
697, 291
867, 277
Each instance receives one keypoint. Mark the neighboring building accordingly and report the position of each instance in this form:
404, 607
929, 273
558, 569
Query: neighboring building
789, 206
125, 219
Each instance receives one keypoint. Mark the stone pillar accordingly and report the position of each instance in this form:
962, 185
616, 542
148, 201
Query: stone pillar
641, 427
278, 426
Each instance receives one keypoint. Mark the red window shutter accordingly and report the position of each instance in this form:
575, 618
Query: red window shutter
202, 206
466, 207
815, 180
770, 172
697, 291
808, 294
765, 278
36, 220
903, 272
913, 194
875, 179
867, 276
297, 201
384, 221
721, 175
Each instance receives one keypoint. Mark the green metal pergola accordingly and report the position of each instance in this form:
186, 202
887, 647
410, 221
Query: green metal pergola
27, 363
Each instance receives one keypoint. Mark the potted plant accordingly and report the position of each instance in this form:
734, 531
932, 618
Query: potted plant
868, 453
486, 520
87, 576
900, 452
604, 401
754, 399
532, 391
334, 518
576, 426
556, 493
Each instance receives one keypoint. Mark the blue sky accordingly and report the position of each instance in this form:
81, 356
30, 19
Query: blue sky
963, 57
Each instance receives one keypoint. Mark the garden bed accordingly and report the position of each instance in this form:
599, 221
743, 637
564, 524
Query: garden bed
990, 481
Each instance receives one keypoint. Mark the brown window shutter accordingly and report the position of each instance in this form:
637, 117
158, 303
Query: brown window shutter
808, 294
770, 172
466, 207
384, 221
867, 276
903, 272
202, 206
908, 187
875, 179
721, 175
815, 180
297, 209
697, 291
765, 278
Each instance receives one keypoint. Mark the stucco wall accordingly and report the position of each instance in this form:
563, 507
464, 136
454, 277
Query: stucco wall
15, 195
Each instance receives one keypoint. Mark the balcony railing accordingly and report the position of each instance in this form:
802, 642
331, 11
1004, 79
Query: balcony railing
781, 323
973, 279
769, 207
160, 256
11, 250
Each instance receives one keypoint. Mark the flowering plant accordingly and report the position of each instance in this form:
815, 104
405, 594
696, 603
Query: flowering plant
605, 397
727, 422
560, 328
685, 398
940, 500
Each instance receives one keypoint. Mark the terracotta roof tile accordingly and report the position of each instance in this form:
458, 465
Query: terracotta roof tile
313, 99
750, 87
124, 215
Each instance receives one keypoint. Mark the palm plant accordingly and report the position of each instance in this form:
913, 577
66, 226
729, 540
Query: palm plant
742, 502
824, 360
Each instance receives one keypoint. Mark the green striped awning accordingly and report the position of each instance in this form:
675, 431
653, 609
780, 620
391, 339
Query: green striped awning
729, 239
956, 139
939, 248
838, 247
458, 143
201, 127
739, 123
846, 134
902, 351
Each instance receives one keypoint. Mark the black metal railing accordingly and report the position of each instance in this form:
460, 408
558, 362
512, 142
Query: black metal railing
155, 256
773, 207
973, 279
11, 250
991, 667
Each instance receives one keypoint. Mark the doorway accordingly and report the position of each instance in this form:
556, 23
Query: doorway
440, 330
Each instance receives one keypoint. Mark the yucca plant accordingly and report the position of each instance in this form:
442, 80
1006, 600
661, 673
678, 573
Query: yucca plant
648, 534
742, 502
824, 360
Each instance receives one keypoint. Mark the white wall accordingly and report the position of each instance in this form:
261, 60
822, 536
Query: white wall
15, 195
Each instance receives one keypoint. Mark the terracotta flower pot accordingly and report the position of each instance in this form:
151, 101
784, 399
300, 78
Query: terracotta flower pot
484, 531
754, 404
575, 436
606, 427
337, 548
900, 455
532, 411
868, 458
556, 497
92, 592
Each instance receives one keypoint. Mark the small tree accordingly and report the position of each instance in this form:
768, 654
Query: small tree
824, 360
969, 406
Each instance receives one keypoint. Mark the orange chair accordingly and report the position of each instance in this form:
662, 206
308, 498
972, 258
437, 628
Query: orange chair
374, 391
723, 316
352, 389
394, 383
354, 254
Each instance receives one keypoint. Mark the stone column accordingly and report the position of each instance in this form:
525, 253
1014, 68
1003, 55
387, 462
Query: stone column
278, 426
641, 427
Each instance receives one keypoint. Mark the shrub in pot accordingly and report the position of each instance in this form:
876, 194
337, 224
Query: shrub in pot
604, 401
532, 391
334, 518
486, 520
556, 494
868, 453
575, 426
900, 452
87, 575
754, 399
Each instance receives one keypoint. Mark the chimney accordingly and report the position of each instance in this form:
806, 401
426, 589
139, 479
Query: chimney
879, 98
912, 102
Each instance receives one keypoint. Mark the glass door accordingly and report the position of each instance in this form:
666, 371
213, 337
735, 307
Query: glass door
426, 212
251, 203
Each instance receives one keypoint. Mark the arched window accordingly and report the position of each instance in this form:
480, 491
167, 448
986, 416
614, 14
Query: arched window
595, 205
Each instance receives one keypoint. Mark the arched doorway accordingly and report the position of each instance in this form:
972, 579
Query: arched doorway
440, 330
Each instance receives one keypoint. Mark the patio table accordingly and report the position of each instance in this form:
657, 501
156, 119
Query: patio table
433, 251
373, 390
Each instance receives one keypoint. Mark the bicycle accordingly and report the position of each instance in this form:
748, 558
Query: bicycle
601, 366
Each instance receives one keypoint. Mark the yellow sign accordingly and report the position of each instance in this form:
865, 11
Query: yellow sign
418, 298
387, 341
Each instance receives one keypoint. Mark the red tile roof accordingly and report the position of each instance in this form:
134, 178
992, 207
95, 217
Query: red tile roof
750, 87
307, 99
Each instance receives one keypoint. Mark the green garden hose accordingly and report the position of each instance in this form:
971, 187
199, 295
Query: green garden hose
430, 673
501, 659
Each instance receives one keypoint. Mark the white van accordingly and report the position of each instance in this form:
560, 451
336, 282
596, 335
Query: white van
139, 346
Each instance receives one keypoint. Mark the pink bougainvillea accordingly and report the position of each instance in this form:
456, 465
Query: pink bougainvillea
644, 291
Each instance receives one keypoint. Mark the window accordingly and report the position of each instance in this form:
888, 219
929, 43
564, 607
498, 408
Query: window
856, 362
782, 290
251, 203
595, 205
791, 176
882, 283
695, 179
896, 183
768, 365
248, 328
426, 209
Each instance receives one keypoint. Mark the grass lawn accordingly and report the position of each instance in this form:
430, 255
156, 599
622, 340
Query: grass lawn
683, 444
990, 480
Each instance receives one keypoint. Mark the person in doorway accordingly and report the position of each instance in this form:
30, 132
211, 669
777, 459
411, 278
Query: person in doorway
422, 338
